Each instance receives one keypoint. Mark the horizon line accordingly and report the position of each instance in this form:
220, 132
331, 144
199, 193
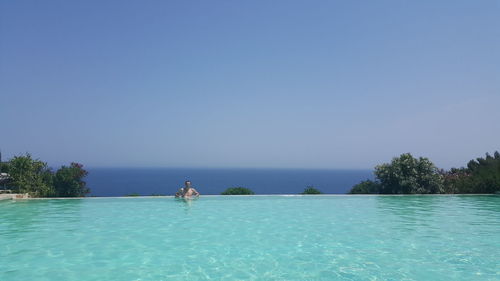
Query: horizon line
219, 167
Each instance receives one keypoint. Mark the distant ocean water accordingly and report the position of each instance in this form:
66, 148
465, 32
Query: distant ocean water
165, 181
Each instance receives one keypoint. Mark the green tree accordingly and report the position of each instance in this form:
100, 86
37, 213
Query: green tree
455, 180
482, 175
311, 190
68, 181
408, 175
4, 167
31, 176
366, 187
238, 191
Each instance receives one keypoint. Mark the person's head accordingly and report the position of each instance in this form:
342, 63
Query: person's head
187, 184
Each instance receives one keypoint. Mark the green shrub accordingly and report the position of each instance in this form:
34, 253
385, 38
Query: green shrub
409, 175
31, 176
68, 181
311, 190
238, 191
482, 175
366, 187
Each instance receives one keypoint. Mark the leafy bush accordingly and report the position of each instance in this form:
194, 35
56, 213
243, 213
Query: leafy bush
4, 167
482, 175
68, 181
404, 175
311, 190
408, 175
366, 187
238, 191
31, 176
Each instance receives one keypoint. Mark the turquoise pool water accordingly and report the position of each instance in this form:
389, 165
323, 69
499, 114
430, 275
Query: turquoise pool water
252, 238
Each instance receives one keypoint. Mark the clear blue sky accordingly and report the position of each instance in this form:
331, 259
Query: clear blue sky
304, 84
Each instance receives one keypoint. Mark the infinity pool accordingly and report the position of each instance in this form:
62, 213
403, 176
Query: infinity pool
252, 238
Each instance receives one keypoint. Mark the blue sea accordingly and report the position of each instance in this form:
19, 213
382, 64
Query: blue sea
165, 181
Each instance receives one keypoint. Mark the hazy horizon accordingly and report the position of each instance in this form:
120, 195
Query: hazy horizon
56, 164
281, 84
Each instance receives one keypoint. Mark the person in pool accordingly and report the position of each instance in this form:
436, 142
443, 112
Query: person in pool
187, 191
